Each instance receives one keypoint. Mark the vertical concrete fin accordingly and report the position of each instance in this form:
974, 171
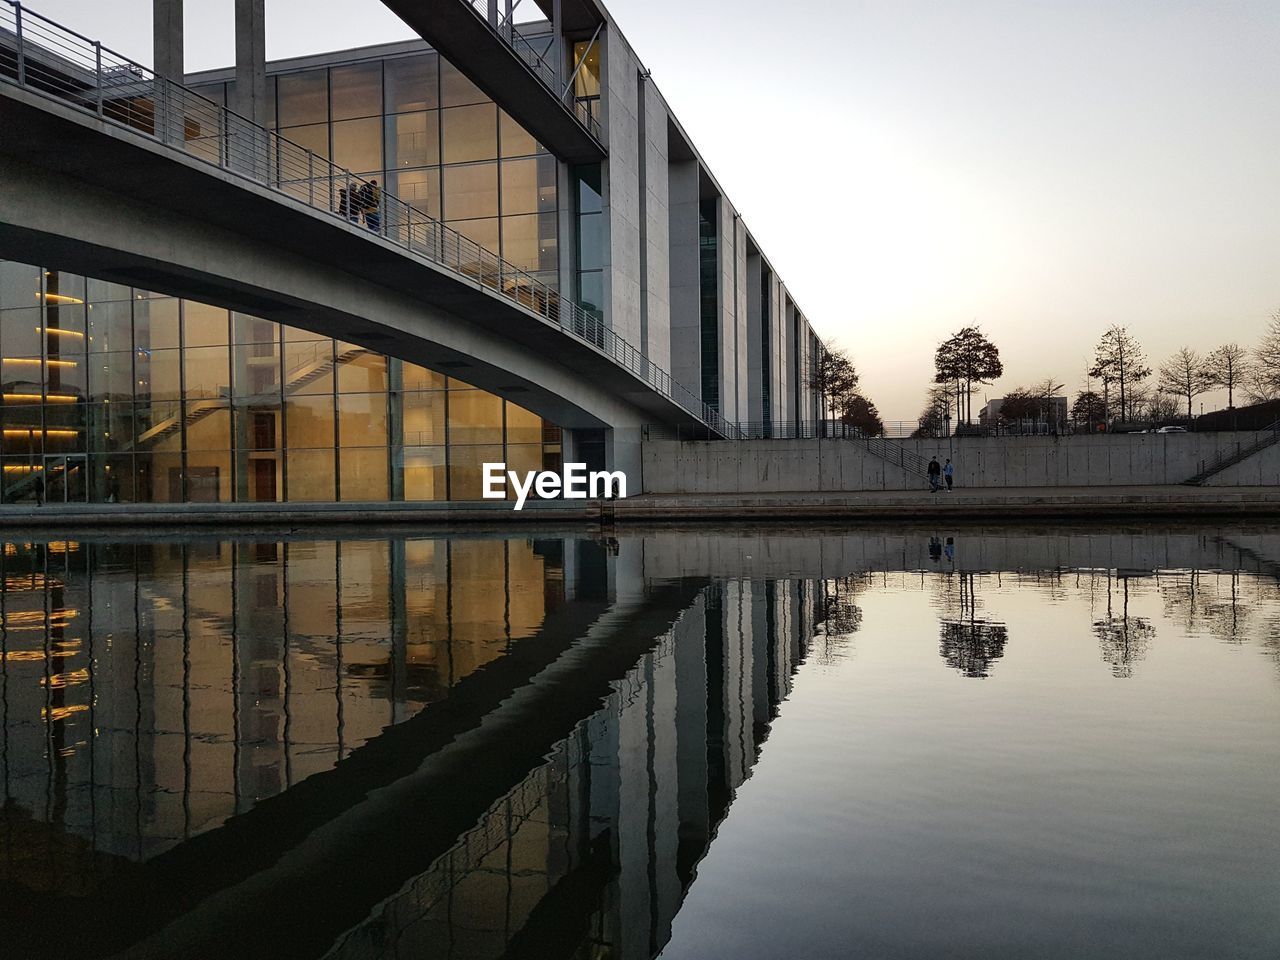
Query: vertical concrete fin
251, 60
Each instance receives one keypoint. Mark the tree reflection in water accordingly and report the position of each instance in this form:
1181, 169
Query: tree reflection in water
1123, 639
969, 643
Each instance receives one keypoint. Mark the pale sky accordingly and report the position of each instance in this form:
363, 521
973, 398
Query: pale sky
1043, 168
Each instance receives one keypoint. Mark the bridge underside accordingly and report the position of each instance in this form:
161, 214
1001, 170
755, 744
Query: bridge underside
84, 196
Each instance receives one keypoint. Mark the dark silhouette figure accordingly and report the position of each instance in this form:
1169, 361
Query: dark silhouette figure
371, 204
935, 549
948, 471
39, 488
934, 472
347, 205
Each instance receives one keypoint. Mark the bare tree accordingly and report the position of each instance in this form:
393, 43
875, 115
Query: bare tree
1229, 366
937, 406
835, 378
1267, 372
1159, 406
1185, 376
1261, 386
1119, 359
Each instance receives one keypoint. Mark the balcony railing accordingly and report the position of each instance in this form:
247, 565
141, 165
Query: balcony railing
40, 55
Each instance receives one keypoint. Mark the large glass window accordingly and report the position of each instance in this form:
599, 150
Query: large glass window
470, 133
356, 91
412, 83
709, 305
586, 81
357, 145
304, 98
589, 252
471, 191
413, 140
455, 89
420, 188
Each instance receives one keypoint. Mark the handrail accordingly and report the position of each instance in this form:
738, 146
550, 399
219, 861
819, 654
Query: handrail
1266, 437
41, 55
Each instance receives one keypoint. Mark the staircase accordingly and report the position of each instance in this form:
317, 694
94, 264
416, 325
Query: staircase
894, 454
1229, 459
306, 372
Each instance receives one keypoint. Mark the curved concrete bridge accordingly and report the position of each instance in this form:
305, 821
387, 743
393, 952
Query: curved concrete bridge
195, 201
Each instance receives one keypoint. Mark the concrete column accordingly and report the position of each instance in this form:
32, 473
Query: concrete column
251, 61
167, 58
249, 148
167, 39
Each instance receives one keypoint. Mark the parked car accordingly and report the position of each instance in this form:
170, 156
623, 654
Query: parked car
1172, 430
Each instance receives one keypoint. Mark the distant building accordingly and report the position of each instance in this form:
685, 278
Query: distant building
990, 414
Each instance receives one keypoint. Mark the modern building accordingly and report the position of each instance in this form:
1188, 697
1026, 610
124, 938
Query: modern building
1057, 407
596, 201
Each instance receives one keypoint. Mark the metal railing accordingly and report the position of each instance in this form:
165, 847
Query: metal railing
1228, 458
541, 62
41, 55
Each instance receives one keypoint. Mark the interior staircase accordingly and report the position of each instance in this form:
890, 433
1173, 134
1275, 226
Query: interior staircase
306, 372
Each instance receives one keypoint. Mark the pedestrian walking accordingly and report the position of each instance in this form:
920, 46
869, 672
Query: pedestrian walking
949, 472
371, 204
935, 472
347, 205
39, 487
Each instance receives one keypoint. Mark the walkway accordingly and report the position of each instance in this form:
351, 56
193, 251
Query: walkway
1014, 504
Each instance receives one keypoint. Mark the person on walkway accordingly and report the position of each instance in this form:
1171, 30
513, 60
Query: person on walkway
346, 204
371, 204
934, 472
39, 487
949, 472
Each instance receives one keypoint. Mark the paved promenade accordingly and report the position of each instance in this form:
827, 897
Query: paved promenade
994, 504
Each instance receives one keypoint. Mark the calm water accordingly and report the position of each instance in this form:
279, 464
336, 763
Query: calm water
881, 743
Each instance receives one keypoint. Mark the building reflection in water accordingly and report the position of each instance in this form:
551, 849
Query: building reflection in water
381, 748
151, 691
156, 694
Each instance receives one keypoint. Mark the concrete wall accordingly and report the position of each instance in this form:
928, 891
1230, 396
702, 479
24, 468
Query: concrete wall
621, 186
655, 274
775, 466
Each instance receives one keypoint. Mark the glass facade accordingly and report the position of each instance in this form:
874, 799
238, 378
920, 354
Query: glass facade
709, 302
766, 361
111, 394
589, 251
435, 140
